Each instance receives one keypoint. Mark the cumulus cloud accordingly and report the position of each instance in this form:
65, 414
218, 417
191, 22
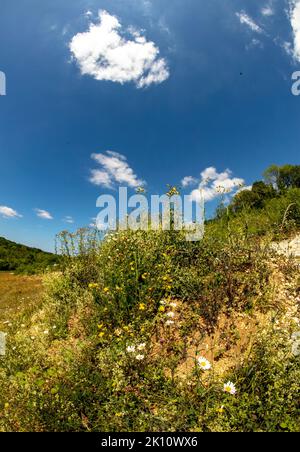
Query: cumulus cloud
244, 188
294, 15
245, 19
188, 181
114, 169
105, 53
213, 184
43, 214
8, 212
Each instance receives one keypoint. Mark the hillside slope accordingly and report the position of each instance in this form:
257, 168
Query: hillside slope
23, 259
152, 333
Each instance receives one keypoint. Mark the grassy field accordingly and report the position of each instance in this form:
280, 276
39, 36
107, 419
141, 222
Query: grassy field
18, 295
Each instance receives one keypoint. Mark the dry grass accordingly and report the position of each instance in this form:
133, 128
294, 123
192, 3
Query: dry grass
18, 295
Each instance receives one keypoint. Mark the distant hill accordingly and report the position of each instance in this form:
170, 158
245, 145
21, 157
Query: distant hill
23, 259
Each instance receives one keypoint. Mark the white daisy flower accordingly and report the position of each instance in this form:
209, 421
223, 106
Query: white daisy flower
140, 357
141, 347
46, 332
163, 302
170, 322
230, 388
173, 305
203, 363
130, 349
171, 315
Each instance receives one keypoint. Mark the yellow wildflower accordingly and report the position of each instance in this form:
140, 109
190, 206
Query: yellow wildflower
142, 307
106, 289
162, 309
93, 286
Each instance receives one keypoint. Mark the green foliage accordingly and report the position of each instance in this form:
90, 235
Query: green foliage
23, 259
283, 177
254, 198
69, 369
115, 343
272, 207
270, 389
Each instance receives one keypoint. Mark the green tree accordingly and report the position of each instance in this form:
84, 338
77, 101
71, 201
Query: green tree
283, 177
254, 198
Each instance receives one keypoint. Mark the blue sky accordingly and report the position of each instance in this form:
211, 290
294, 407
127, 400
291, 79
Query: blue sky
173, 91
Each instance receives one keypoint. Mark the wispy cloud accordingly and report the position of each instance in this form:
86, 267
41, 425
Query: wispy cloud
213, 184
68, 219
268, 10
292, 48
245, 19
44, 214
114, 169
294, 15
105, 53
8, 212
88, 13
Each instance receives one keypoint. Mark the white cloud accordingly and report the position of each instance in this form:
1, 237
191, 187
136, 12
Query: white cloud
287, 46
104, 53
114, 169
208, 174
43, 214
245, 187
214, 184
68, 219
101, 178
267, 10
8, 212
245, 19
295, 24
188, 181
